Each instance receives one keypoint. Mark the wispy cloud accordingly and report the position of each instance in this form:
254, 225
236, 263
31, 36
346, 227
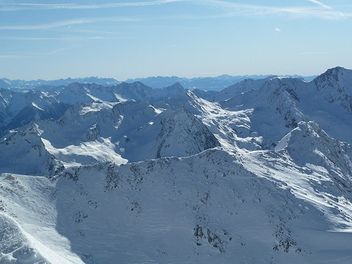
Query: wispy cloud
228, 9
55, 38
11, 56
236, 8
322, 10
66, 23
36, 6
314, 52
278, 30
319, 3
73, 35
34, 55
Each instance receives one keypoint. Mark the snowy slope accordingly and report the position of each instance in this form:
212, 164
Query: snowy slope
279, 104
121, 129
27, 203
170, 212
14, 245
274, 108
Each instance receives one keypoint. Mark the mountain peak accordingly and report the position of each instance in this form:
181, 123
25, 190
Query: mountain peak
334, 74
308, 143
335, 86
175, 86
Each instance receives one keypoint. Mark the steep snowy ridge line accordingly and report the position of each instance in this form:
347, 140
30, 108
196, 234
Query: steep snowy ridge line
30, 206
132, 182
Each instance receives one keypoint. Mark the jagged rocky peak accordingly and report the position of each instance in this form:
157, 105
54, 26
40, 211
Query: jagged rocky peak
23, 151
266, 92
335, 85
31, 130
169, 133
334, 75
133, 85
183, 134
172, 92
253, 86
236, 89
176, 87
274, 107
134, 91
337, 78
309, 144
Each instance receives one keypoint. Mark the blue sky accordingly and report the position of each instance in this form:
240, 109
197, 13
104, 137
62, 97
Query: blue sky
126, 39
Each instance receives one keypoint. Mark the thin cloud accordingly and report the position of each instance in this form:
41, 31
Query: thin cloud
66, 23
278, 30
229, 9
11, 56
54, 38
319, 3
34, 55
263, 10
36, 6
327, 12
81, 37
314, 53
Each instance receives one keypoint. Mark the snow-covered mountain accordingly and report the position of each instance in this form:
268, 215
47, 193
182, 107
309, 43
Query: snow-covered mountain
259, 172
216, 83
41, 84
23, 151
203, 83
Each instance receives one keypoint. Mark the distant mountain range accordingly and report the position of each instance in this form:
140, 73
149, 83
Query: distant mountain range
35, 84
203, 83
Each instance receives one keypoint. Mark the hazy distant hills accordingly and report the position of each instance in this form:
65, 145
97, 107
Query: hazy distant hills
35, 84
202, 83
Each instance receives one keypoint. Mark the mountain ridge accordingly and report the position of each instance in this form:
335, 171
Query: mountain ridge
259, 172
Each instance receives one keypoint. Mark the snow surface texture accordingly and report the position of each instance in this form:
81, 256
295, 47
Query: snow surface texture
260, 172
